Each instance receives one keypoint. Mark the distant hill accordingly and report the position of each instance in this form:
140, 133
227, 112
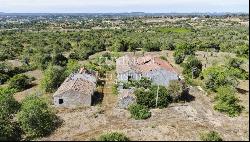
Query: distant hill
125, 14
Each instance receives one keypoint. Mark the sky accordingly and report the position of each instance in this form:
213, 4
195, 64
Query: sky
115, 6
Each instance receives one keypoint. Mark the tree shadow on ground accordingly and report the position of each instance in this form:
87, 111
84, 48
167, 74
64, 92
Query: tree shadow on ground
242, 91
186, 96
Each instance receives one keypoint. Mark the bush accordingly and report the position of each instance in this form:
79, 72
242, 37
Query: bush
192, 63
142, 83
210, 136
52, 78
226, 101
216, 77
71, 66
59, 60
139, 111
42, 60
179, 57
234, 68
8, 107
147, 97
20, 82
36, 118
3, 78
235, 62
175, 89
114, 136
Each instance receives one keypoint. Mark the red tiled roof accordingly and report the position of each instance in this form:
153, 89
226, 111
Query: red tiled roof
143, 64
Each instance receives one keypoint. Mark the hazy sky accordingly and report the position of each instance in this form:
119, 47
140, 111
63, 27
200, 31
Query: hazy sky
74, 6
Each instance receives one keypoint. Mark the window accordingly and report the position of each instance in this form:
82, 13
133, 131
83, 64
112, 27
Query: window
129, 77
60, 101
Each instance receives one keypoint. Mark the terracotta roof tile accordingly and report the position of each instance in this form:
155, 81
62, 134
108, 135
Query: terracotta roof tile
83, 83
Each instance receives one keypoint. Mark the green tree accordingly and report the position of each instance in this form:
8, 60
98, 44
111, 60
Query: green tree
227, 102
192, 67
179, 57
8, 107
138, 111
20, 82
8, 104
217, 76
59, 60
71, 66
52, 78
147, 97
36, 118
175, 89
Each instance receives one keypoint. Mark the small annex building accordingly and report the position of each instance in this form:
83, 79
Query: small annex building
76, 90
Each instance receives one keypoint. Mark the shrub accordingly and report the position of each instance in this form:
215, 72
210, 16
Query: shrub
19, 82
234, 68
147, 97
59, 60
71, 66
193, 67
235, 62
139, 111
36, 118
42, 60
210, 136
8, 106
52, 78
179, 57
114, 136
142, 83
238, 73
226, 101
175, 89
3, 78
217, 76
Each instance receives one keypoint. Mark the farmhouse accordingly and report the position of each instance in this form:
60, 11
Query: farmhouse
133, 68
76, 90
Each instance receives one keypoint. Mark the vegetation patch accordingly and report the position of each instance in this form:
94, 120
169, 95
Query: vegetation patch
139, 111
210, 136
114, 136
227, 102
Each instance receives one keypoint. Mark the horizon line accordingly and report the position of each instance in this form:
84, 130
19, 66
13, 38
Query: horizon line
115, 12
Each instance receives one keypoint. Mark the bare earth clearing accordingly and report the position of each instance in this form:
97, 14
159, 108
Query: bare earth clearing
183, 121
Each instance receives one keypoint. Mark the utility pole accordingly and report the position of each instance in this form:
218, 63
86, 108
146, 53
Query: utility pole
157, 96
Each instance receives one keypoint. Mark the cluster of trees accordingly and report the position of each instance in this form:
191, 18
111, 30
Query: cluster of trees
7, 71
38, 47
102, 63
55, 75
223, 80
150, 96
33, 117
